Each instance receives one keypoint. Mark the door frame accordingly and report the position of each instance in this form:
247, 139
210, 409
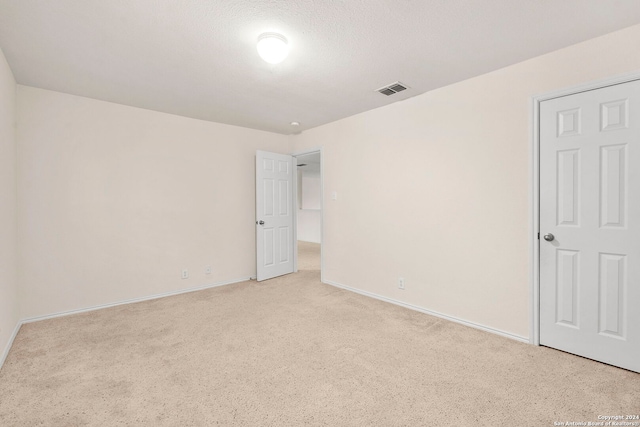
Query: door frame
295, 155
534, 189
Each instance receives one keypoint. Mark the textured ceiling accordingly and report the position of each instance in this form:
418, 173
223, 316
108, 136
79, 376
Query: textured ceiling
197, 58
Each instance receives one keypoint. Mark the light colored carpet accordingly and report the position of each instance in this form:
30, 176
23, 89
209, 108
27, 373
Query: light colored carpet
308, 255
292, 351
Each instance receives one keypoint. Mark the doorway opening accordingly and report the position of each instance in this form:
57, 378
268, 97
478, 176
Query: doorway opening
309, 205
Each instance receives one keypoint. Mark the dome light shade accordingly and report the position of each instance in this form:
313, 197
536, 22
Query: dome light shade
273, 47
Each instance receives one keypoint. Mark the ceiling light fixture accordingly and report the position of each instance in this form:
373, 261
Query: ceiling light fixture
295, 123
273, 47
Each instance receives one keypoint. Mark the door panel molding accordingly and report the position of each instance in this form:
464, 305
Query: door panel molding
274, 215
572, 127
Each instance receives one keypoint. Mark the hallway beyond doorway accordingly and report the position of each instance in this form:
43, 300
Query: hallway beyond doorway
308, 256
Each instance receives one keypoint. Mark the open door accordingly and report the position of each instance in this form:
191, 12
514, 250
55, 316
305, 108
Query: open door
274, 214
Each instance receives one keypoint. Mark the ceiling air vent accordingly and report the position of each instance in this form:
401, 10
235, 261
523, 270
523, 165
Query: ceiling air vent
392, 88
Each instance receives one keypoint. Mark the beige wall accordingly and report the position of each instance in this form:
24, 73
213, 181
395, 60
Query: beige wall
115, 201
9, 315
435, 188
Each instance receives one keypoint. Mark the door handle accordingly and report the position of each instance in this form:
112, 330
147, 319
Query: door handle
549, 237
260, 222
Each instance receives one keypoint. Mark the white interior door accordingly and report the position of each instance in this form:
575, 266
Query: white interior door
590, 224
274, 214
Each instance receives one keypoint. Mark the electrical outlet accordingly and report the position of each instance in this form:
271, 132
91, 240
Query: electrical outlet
400, 283
208, 270
185, 274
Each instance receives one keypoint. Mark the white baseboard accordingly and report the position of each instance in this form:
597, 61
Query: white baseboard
430, 312
5, 353
134, 300
244, 279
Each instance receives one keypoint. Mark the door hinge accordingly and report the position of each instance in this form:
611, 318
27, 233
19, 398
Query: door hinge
538, 236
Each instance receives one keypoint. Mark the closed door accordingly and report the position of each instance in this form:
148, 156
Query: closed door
274, 214
590, 224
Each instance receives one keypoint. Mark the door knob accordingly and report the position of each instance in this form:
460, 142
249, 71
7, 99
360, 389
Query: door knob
549, 237
260, 222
